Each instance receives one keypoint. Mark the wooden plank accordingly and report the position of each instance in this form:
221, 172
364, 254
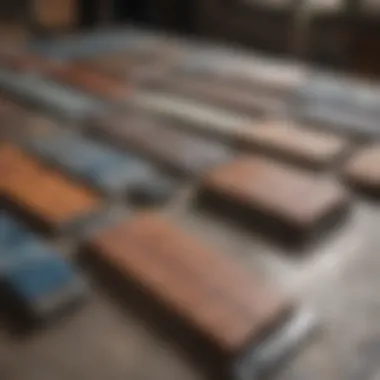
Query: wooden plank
96, 83
125, 64
15, 164
45, 197
228, 307
305, 147
283, 202
363, 170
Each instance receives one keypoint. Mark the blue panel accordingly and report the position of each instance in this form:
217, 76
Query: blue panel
32, 271
39, 278
342, 105
49, 95
12, 233
120, 176
101, 166
94, 43
18, 245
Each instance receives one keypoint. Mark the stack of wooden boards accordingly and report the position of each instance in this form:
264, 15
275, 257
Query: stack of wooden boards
147, 120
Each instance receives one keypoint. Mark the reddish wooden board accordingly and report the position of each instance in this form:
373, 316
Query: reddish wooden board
211, 293
45, 197
286, 201
305, 147
93, 82
363, 169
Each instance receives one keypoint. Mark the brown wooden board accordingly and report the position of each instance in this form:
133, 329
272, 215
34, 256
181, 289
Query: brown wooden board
132, 64
209, 292
305, 147
363, 170
44, 197
279, 200
96, 83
